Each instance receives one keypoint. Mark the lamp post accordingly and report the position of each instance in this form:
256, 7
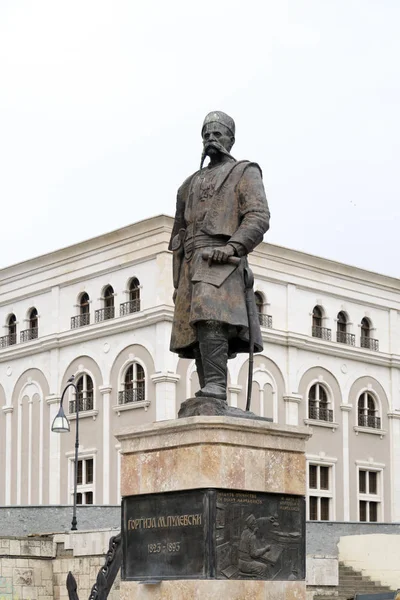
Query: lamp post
61, 425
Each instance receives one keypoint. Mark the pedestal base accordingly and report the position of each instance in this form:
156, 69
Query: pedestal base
237, 459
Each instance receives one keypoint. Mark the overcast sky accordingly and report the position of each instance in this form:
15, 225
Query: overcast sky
102, 102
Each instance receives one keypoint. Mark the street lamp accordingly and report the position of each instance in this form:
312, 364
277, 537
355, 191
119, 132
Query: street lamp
61, 425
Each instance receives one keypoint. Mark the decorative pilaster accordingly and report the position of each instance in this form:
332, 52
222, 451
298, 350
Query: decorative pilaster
7, 410
165, 384
394, 428
346, 408
54, 452
292, 402
234, 391
105, 391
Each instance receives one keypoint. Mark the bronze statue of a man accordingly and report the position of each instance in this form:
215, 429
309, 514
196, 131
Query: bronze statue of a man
221, 212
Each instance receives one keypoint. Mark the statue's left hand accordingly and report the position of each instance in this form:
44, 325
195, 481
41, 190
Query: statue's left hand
221, 254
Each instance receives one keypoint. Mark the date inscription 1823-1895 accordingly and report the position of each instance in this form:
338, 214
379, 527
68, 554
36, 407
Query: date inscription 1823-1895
219, 534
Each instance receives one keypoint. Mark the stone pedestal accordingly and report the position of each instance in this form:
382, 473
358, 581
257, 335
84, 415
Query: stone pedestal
218, 453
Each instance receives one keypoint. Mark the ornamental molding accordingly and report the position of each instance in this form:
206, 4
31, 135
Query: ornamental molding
326, 424
346, 407
53, 399
83, 414
370, 430
119, 408
82, 452
7, 409
395, 415
165, 377
295, 398
235, 389
105, 389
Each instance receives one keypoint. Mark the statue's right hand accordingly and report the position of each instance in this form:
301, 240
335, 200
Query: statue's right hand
174, 296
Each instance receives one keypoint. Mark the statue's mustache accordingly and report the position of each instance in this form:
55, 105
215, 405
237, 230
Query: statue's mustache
217, 146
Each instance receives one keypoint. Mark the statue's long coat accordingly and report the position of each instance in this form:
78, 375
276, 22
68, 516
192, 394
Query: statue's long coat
238, 214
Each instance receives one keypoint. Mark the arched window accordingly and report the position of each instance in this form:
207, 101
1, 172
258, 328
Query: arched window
366, 341
83, 318
318, 405
133, 304
259, 302
134, 295
12, 330
84, 305
317, 321
365, 328
108, 310
33, 323
342, 334
265, 320
367, 411
84, 385
133, 385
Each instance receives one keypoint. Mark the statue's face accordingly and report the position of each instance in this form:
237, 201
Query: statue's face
214, 135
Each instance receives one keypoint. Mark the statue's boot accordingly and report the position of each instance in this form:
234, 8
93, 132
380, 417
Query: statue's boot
213, 343
199, 368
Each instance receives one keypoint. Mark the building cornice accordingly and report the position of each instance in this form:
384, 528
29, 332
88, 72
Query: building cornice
88, 332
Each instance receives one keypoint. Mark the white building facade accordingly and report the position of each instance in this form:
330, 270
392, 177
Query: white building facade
102, 311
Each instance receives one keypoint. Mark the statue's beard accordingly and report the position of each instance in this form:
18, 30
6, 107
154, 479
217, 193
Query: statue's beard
216, 146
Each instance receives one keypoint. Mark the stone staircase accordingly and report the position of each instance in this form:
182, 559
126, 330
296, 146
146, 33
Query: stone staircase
352, 582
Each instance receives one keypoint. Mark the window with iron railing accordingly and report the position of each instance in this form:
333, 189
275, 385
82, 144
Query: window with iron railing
84, 395
318, 406
33, 331
342, 335
317, 329
11, 338
133, 385
367, 411
366, 341
264, 319
84, 312
108, 310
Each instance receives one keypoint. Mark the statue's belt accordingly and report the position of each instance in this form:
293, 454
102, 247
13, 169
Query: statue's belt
201, 240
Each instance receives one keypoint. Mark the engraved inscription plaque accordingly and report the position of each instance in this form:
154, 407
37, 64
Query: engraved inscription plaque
165, 536
216, 534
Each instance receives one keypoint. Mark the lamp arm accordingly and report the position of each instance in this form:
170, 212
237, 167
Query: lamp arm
65, 389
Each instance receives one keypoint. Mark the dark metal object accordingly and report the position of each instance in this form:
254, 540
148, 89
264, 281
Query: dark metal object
8, 340
346, 338
250, 304
370, 343
29, 334
319, 413
106, 575
322, 332
213, 534
70, 383
133, 395
104, 314
265, 320
221, 210
127, 308
80, 320
369, 421
84, 402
